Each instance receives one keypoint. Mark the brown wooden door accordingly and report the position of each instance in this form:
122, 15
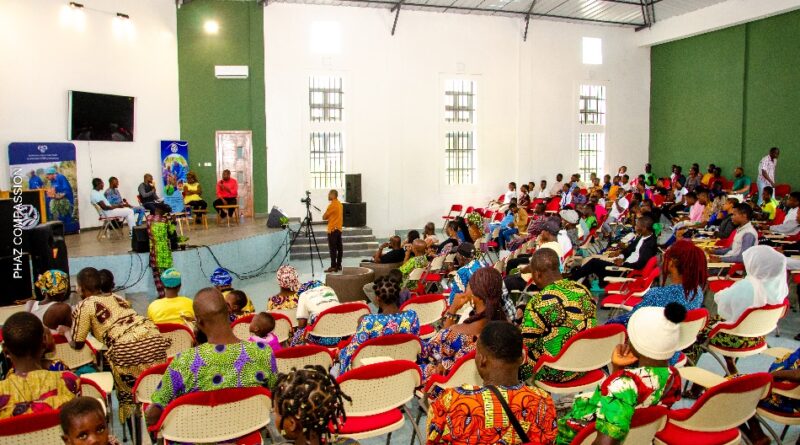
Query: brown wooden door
235, 153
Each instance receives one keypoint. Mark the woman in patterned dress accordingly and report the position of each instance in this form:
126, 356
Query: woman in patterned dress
388, 321
485, 292
289, 284
134, 343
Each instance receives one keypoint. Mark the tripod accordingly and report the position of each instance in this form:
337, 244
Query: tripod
308, 232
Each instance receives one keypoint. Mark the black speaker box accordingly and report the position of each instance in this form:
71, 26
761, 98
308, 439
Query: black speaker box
355, 214
46, 245
17, 279
140, 242
352, 191
274, 220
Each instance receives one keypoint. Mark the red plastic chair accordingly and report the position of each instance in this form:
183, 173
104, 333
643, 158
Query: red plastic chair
394, 346
780, 216
38, 428
646, 422
554, 205
455, 210
181, 335
754, 322
631, 295
338, 321
429, 308
695, 321
469, 210
715, 417
618, 285
586, 352
782, 190
298, 357
718, 283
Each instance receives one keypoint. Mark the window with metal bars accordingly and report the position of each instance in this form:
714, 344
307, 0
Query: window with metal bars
325, 96
591, 148
592, 105
460, 107
327, 160
460, 99
460, 153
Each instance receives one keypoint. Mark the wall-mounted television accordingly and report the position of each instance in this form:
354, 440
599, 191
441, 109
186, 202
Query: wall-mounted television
100, 117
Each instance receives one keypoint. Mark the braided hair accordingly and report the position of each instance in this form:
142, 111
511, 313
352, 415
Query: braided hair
691, 264
486, 283
387, 289
313, 397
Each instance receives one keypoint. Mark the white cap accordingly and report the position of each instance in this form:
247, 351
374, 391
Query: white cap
655, 331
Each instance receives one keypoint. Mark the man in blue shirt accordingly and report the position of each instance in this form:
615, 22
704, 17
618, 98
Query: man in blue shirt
61, 197
34, 182
114, 198
464, 255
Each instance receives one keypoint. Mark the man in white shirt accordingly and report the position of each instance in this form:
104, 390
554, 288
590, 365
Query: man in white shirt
511, 193
766, 172
541, 192
617, 209
555, 190
313, 301
789, 225
109, 210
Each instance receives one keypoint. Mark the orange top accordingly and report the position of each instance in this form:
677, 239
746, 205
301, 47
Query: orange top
334, 214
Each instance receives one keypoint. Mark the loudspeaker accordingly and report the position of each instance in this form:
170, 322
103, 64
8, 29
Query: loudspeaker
352, 190
355, 214
17, 279
140, 242
274, 220
46, 245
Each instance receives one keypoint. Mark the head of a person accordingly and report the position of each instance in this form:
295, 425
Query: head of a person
226, 174
575, 177
221, 279
711, 168
550, 229
53, 284
595, 181
559, 177
539, 208
738, 172
88, 282
113, 182
148, 178
106, 281
648, 168
412, 236
742, 214
794, 200
23, 336
702, 197
693, 171
210, 310
654, 332
763, 264
262, 324
499, 349
565, 188
543, 184
766, 194
691, 198
307, 402
644, 225
97, 184
464, 253
387, 291
287, 278
333, 194
512, 208
569, 217
486, 288
236, 301
512, 186
429, 229
617, 179
545, 266
191, 177
625, 179
395, 242
531, 185
418, 247
452, 229
730, 203
171, 278
524, 188
687, 261
774, 152
606, 179
717, 172
83, 422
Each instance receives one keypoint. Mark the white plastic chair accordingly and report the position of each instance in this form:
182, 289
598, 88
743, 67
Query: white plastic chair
27, 429
72, 358
646, 422
394, 346
338, 321
695, 321
182, 337
298, 357
429, 309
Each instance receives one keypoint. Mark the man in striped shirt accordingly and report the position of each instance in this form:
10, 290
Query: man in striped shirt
766, 172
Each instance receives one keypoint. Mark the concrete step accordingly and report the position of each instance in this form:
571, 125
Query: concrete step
304, 256
348, 247
303, 241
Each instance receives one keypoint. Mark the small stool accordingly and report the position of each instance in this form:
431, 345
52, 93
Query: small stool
181, 218
235, 216
203, 214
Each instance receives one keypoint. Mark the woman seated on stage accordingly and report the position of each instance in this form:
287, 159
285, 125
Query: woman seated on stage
193, 195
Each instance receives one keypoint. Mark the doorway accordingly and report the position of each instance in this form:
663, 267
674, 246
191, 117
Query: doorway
234, 153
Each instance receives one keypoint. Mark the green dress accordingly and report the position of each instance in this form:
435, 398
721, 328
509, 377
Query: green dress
552, 316
612, 404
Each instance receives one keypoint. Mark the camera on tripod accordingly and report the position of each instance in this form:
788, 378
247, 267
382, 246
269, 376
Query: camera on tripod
307, 199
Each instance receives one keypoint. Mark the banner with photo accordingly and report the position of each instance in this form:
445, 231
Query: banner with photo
174, 167
52, 167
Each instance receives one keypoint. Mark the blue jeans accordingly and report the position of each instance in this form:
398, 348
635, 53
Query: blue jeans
140, 214
505, 236
761, 184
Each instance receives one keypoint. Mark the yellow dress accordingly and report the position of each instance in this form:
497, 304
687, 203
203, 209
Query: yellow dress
38, 391
191, 188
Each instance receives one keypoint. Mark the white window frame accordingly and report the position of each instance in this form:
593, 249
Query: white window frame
458, 127
600, 129
310, 127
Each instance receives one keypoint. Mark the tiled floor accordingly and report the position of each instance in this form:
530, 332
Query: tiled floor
259, 289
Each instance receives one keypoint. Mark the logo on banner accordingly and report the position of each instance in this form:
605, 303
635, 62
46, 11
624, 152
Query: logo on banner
173, 147
42, 148
26, 216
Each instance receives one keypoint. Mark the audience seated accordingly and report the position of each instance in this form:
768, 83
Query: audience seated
289, 283
396, 253
308, 403
389, 320
83, 421
227, 194
115, 198
172, 308
640, 378
429, 234
313, 298
485, 294
789, 226
261, 327
634, 256
524, 199
467, 265
223, 281
111, 210
745, 237
134, 343
31, 388
193, 195
418, 261
503, 410
451, 231
54, 286
147, 193
224, 361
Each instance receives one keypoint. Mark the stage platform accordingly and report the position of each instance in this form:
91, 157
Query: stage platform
245, 249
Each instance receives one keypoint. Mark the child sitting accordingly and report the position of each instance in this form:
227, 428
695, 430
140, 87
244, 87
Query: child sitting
261, 328
236, 301
653, 335
83, 421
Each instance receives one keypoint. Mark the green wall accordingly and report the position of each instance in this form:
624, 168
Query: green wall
728, 96
208, 104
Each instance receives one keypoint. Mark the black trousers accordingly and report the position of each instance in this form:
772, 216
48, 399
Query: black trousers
228, 201
520, 260
198, 205
150, 206
594, 266
335, 248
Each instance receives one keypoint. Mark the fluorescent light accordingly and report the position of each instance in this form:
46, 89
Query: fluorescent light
211, 27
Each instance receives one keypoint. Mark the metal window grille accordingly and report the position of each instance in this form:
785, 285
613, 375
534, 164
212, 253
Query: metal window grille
460, 101
327, 160
460, 157
591, 149
325, 97
592, 105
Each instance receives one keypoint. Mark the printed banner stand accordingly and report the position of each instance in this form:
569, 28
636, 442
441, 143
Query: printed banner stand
174, 167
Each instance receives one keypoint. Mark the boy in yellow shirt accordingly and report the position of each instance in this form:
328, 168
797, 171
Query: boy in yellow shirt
173, 308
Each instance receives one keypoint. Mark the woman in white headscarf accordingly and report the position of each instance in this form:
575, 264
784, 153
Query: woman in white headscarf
764, 284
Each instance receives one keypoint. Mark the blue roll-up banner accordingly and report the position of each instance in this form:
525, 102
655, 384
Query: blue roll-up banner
50, 166
174, 167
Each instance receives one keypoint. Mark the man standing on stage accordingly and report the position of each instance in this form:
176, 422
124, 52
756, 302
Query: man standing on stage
227, 192
333, 214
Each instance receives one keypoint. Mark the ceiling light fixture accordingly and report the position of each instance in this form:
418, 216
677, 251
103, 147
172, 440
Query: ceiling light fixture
211, 27
123, 16
75, 5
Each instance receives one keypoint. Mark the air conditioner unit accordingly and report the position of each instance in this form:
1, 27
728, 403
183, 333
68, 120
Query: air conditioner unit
231, 71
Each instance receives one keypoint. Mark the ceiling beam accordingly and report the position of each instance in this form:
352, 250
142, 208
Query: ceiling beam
528, 20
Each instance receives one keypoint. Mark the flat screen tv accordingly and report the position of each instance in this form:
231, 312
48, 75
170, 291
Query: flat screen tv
100, 117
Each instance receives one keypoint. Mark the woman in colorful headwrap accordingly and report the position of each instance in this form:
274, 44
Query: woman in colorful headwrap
161, 231
223, 281
54, 287
289, 284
